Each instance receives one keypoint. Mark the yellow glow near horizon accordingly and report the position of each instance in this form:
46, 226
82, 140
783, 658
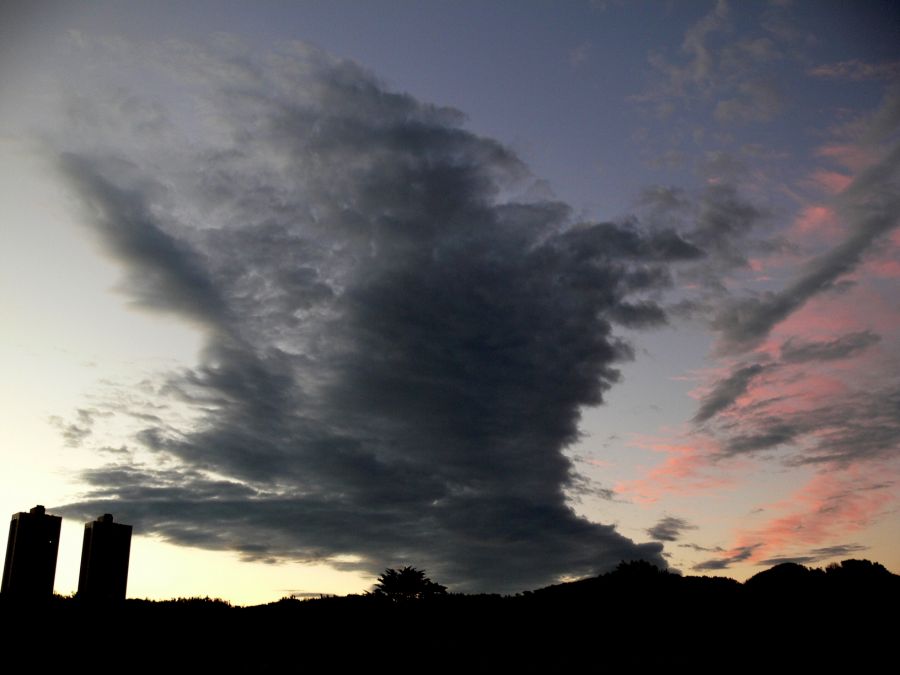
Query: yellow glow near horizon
159, 571
64, 331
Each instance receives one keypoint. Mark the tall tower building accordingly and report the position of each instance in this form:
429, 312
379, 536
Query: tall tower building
31, 555
104, 560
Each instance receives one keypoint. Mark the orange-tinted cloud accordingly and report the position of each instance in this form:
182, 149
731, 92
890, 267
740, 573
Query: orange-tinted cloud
831, 505
688, 469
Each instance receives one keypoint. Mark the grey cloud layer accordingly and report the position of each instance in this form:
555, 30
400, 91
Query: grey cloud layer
855, 69
725, 392
734, 77
740, 554
396, 353
799, 351
871, 208
719, 221
859, 425
669, 528
817, 555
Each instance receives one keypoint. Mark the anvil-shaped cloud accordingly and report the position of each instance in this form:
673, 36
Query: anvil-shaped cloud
397, 348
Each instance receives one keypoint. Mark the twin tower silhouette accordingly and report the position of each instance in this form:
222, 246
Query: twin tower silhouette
31, 558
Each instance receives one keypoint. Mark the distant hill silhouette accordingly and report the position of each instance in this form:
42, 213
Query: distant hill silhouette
636, 617
835, 581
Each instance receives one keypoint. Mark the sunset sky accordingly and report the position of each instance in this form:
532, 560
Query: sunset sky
507, 291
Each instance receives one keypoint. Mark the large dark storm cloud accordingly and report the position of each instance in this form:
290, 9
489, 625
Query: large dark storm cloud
397, 350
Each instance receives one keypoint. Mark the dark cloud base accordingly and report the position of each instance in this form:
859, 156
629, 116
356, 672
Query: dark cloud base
397, 350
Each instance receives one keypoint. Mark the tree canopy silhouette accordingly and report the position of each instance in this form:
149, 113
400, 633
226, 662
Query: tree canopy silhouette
407, 583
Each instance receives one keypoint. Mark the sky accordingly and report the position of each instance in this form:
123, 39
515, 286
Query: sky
506, 291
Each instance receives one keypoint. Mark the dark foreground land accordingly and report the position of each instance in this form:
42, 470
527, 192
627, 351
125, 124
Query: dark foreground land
633, 619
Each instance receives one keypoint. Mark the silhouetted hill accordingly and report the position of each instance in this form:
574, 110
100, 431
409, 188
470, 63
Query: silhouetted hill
636, 616
639, 579
786, 577
839, 582
860, 573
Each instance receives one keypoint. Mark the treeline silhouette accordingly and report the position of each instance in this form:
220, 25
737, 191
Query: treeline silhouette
636, 616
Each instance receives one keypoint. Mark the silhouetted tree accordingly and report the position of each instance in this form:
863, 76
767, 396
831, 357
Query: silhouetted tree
407, 583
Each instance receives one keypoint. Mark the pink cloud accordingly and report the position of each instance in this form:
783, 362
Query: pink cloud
760, 265
833, 504
887, 264
770, 349
708, 378
688, 469
815, 218
850, 156
818, 221
821, 316
830, 181
860, 307
794, 390
886, 269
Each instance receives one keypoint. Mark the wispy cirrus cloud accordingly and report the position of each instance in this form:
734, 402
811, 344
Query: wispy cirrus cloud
732, 557
726, 226
857, 69
726, 391
829, 507
817, 555
796, 350
870, 206
689, 469
732, 77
